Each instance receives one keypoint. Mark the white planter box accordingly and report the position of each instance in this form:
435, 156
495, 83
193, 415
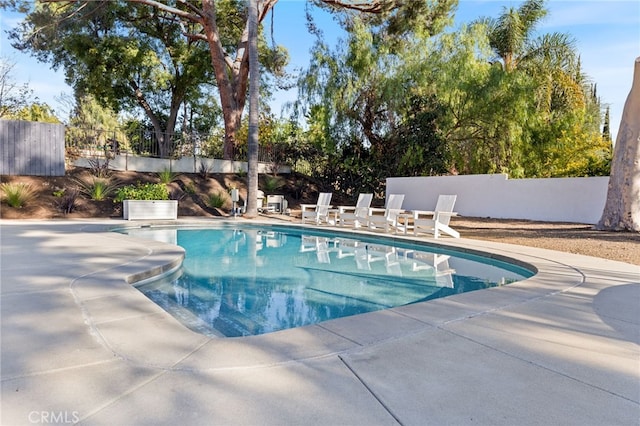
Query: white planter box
149, 209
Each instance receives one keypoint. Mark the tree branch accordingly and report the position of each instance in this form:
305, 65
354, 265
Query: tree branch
367, 6
196, 15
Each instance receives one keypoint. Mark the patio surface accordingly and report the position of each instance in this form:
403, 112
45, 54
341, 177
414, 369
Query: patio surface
80, 345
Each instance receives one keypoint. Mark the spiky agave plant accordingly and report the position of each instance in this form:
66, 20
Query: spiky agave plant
96, 188
17, 194
166, 176
216, 199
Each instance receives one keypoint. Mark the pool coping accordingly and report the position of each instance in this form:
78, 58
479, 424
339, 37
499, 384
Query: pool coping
336, 336
126, 323
346, 329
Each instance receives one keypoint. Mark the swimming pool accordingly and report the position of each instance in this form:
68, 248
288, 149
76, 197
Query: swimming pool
239, 280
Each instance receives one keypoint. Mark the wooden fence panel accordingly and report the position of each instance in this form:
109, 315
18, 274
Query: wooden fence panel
31, 148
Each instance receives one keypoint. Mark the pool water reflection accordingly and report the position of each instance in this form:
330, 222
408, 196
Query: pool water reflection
247, 280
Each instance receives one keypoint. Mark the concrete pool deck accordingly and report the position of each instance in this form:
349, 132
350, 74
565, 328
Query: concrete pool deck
80, 345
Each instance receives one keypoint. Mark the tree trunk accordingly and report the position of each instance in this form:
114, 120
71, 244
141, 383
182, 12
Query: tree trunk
163, 136
231, 75
622, 208
155, 121
254, 81
232, 122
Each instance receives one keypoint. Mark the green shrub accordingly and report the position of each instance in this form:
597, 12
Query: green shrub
140, 191
97, 188
17, 194
216, 200
166, 176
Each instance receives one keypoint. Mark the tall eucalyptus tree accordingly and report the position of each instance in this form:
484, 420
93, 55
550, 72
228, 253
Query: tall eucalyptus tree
622, 207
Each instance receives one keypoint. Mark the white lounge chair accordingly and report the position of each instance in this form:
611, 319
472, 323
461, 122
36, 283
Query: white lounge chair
436, 221
389, 216
355, 215
318, 212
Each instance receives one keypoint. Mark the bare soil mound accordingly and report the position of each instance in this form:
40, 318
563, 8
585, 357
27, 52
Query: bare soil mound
192, 190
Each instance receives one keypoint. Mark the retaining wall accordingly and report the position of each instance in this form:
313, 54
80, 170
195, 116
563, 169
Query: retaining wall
181, 165
578, 200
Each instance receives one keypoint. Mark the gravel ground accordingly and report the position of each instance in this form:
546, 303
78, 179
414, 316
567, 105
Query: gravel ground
567, 237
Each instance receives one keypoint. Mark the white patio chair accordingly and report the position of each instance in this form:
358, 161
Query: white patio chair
388, 217
355, 215
436, 221
318, 212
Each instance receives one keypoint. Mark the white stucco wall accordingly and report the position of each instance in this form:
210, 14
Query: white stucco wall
579, 200
182, 165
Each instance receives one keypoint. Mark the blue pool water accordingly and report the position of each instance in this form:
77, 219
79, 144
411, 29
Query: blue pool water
248, 280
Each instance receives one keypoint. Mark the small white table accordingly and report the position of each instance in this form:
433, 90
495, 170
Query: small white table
335, 213
405, 221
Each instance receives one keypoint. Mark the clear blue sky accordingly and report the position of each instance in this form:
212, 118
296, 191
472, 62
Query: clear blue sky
607, 34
